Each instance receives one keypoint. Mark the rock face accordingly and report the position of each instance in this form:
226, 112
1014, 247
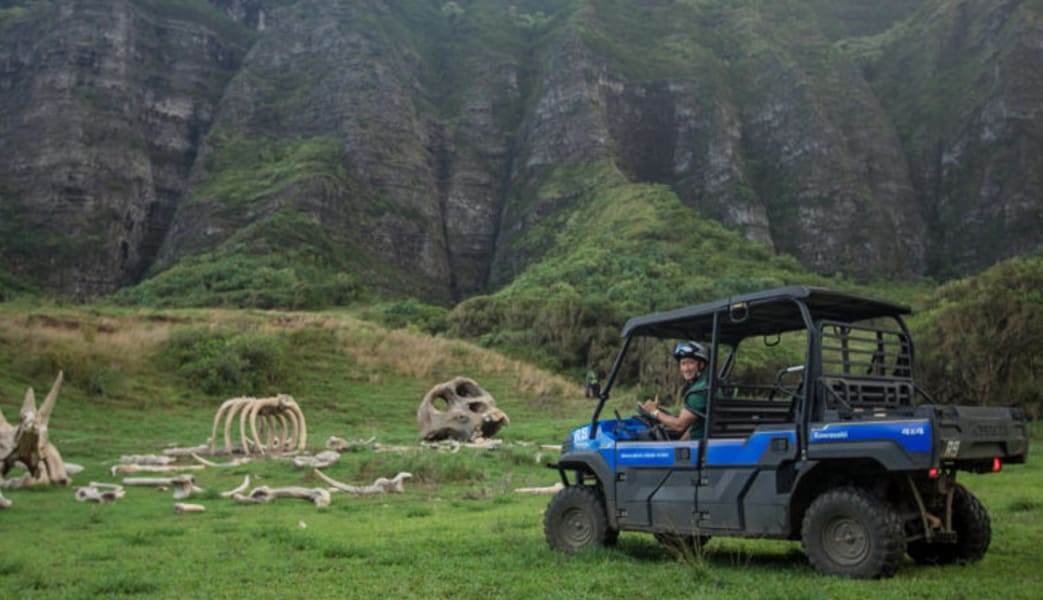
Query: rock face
420, 136
964, 87
104, 106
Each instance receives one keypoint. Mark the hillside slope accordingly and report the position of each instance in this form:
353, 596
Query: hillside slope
404, 147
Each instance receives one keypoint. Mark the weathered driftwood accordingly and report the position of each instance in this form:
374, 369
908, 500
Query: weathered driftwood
184, 485
105, 493
275, 424
265, 494
131, 469
245, 484
550, 489
28, 444
321, 460
381, 486
180, 508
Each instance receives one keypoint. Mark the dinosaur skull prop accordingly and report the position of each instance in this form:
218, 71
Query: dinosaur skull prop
459, 410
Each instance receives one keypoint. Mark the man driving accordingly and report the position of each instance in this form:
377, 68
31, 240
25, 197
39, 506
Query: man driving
692, 359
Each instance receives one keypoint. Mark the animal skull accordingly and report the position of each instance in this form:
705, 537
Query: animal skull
467, 412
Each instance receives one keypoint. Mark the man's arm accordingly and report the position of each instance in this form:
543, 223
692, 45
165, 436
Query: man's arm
680, 423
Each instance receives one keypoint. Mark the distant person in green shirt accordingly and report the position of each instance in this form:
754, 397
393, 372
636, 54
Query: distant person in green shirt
692, 359
593, 385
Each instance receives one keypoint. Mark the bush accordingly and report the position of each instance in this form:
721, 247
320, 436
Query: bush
405, 313
982, 341
228, 363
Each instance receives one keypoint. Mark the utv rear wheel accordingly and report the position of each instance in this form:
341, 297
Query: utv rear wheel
850, 533
576, 519
973, 529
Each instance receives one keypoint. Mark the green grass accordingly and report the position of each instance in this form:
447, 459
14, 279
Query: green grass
458, 531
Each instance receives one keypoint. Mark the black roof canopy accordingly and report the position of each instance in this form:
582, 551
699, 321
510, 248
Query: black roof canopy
761, 313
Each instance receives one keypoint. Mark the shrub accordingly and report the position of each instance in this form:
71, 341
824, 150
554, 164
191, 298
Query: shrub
982, 341
228, 363
405, 313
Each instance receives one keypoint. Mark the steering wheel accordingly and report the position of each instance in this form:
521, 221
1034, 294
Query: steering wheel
658, 431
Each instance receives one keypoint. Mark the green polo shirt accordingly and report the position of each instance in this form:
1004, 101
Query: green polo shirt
695, 400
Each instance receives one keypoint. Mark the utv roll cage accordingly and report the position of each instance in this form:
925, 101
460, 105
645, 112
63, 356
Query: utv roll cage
856, 368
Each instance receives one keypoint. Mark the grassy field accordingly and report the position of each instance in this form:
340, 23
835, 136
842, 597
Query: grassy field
458, 531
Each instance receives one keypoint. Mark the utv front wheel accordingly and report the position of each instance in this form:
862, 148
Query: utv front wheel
973, 529
576, 519
850, 533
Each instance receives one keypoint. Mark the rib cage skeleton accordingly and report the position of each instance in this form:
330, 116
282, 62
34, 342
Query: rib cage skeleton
275, 424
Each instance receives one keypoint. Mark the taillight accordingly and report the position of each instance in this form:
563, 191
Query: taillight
997, 464
933, 473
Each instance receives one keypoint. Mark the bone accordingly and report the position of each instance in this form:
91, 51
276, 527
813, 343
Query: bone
29, 443
342, 445
181, 508
73, 468
381, 486
550, 489
146, 459
245, 484
202, 449
265, 494
105, 493
230, 406
208, 463
131, 469
470, 412
265, 425
184, 485
4, 502
321, 460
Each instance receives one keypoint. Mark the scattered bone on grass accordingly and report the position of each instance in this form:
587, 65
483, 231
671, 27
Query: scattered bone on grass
28, 444
105, 493
242, 487
4, 502
451, 446
184, 485
146, 459
265, 494
381, 486
235, 462
201, 449
180, 508
550, 489
343, 445
131, 469
320, 460
275, 424
467, 412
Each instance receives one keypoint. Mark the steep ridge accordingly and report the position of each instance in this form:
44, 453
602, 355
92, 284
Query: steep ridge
414, 147
103, 107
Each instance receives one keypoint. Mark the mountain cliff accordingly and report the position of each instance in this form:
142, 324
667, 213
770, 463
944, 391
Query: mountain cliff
417, 147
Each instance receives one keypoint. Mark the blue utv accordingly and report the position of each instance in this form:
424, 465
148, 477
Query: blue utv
838, 448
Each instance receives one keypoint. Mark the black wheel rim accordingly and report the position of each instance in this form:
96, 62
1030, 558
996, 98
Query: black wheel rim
577, 528
846, 540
